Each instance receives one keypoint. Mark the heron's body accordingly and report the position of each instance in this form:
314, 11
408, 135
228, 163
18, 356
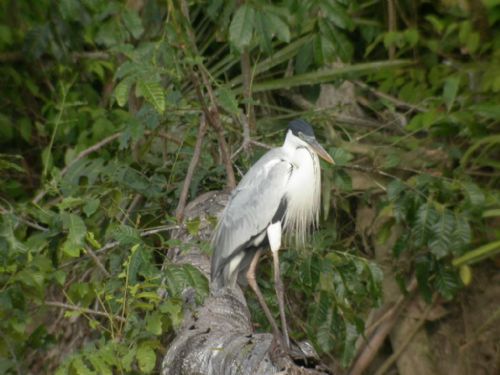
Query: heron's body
280, 193
282, 187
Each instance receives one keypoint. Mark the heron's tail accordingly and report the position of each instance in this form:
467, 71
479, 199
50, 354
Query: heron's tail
218, 275
217, 283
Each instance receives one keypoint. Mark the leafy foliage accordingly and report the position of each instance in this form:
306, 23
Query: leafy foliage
98, 117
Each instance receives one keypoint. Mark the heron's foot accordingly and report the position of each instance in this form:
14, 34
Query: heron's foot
301, 354
292, 349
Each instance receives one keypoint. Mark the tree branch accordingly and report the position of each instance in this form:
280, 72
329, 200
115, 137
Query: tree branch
211, 113
112, 244
249, 120
218, 337
179, 211
17, 56
83, 310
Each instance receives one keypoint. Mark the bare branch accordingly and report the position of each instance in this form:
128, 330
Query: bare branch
249, 120
212, 112
112, 244
17, 56
402, 347
392, 99
179, 211
80, 156
97, 261
83, 310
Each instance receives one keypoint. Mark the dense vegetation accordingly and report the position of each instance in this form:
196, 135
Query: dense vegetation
105, 105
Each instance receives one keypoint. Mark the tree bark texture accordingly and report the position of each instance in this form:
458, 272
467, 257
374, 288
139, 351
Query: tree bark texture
217, 338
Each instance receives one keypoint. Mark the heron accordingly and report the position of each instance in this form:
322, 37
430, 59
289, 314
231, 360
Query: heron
279, 195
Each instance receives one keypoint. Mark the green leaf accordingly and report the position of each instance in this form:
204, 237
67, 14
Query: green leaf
450, 90
153, 93
146, 358
47, 159
423, 271
263, 31
122, 90
193, 226
227, 100
133, 23
173, 307
494, 212
465, 274
127, 359
337, 14
91, 206
474, 193
99, 364
180, 277
447, 282
241, 28
340, 156
324, 75
461, 235
342, 180
126, 235
81, 368
426, 218
76, 234
154, 324
278, 26
442, 232
394, 189
476, 255
351, 336
70, 202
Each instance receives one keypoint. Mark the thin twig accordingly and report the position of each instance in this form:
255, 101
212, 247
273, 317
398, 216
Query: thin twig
179, 211
373, 345
477, 335
112, 244
163, 228
212, 113
251, 142
83, 310
95, 258
390, 98
166, 136
305, 104
402, 347
80, 156
392, 26
123, 215
90, 150
16, 56
98, 146
249, 119
29, 223
377, 332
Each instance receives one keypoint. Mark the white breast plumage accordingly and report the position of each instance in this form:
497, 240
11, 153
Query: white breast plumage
303, 193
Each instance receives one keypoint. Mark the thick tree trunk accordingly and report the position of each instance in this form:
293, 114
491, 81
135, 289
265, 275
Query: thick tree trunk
218, 338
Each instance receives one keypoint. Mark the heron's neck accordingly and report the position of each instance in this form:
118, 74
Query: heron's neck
293, 147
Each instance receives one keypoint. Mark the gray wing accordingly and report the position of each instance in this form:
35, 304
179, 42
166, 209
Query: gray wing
251, 208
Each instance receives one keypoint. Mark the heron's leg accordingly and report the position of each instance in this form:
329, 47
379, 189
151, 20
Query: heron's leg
274, 236
255, 287
280, 292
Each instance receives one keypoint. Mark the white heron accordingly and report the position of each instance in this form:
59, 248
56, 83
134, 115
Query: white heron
279, 194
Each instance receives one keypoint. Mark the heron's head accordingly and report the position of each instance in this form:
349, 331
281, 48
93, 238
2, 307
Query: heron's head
302, 133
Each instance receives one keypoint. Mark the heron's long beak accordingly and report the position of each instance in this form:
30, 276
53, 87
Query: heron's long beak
320, 151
